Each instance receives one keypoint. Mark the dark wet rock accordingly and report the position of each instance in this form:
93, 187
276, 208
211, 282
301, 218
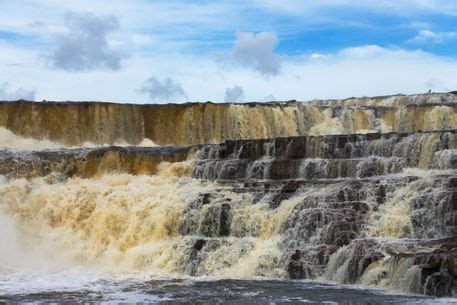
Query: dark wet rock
410, 268
198, 245
295, 268
326, 157
207, 215
308, 262
434, 210
333, 217
350, 263
439, 284
215, 221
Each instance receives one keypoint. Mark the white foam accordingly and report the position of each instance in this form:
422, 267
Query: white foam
9, 140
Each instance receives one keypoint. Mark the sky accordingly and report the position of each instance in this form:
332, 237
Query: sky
144, 51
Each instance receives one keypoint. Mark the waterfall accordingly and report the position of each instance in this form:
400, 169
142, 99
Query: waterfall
73, 124
356, 191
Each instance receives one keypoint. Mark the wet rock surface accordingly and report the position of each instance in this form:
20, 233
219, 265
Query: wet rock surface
327, 157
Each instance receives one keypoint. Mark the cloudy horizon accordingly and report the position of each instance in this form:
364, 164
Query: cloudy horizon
225, 51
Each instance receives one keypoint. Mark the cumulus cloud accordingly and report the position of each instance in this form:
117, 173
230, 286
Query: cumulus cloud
166, 90
84, 46
256, 51
426, 36
362, 70
234, 94
9, 94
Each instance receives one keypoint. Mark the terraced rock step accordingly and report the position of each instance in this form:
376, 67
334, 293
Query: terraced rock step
327, 157
311, 157
359, 214
88, 162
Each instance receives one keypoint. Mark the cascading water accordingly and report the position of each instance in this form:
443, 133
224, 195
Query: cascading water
75, 124
376, 209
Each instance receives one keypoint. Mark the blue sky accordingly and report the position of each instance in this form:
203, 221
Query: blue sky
253, 50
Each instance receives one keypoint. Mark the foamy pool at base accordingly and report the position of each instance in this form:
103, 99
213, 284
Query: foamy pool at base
81, 287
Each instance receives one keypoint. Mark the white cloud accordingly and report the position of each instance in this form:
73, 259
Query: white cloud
85, 46
174, 20
358, 71
427, 36
9, 94
256, 51
234, 94
162, 37
375, 52
318, 56
370, 71
166, 90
